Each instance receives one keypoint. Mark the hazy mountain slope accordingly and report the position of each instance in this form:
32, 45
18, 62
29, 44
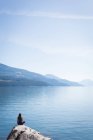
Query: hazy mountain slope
15, 76
67, 82
87, 82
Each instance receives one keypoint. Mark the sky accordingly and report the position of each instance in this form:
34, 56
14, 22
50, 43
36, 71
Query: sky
48, 37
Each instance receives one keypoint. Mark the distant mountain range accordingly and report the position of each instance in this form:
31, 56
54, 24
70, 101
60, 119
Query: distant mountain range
87, 82
10, 76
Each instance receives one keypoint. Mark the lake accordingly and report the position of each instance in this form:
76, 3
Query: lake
62, 113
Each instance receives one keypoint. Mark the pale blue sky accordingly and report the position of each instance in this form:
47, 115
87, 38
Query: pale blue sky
48, 36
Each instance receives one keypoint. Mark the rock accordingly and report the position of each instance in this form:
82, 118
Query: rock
22, 132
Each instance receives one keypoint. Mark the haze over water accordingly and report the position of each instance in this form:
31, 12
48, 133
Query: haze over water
62, 113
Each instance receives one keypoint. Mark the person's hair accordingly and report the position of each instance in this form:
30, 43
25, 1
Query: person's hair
19, 114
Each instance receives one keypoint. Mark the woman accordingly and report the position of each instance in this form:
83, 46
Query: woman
20, 119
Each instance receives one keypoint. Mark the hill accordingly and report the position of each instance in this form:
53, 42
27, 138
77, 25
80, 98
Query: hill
15, 76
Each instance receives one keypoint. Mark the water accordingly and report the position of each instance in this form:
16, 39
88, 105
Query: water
62, 113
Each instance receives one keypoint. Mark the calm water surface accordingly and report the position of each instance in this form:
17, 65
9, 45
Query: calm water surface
62, 113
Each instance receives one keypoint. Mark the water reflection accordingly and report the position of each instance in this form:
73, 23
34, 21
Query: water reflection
59, 112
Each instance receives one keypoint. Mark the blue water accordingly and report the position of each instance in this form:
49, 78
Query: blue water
62, 113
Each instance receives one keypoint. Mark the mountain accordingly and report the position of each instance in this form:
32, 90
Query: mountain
15, 76
87, 82
64, 81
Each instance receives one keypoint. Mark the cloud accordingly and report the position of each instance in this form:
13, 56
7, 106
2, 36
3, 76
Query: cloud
54, 15
53, 49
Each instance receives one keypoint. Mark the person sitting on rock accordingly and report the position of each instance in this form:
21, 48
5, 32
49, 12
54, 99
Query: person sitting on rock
20, 119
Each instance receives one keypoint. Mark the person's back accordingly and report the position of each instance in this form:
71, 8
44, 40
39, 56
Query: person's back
20, 119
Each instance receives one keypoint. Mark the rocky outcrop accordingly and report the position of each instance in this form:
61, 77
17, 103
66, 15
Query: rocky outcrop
22, 132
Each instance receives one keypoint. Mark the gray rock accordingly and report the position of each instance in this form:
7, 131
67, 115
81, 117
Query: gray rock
22, 132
